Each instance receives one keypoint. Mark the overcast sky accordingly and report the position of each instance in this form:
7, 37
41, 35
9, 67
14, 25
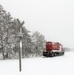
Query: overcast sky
53, 18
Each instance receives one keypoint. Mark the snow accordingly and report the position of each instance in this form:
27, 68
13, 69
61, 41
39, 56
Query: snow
61, 65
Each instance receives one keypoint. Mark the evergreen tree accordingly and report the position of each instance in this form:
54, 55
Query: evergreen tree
5, 20
10, 39
27, 43
9, 30
39, 43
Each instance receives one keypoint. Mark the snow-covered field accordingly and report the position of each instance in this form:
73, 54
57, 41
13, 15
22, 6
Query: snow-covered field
61, 65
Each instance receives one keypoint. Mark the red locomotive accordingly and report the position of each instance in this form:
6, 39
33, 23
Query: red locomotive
53, 49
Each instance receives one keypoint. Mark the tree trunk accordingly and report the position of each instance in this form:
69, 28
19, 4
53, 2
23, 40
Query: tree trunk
3, 53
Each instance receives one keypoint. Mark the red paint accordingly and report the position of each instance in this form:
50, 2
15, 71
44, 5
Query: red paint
48, 46
52, 46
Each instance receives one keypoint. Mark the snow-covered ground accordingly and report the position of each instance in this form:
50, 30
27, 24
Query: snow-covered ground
61, 65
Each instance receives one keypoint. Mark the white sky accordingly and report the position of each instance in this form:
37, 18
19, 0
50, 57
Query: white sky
53, 18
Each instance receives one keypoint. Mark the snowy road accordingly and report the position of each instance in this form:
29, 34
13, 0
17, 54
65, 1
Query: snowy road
61, 65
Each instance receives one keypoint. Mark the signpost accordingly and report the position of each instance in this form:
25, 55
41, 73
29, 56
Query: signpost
20, 50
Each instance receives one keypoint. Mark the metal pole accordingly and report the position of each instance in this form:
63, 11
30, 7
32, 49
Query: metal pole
20, 51
20, 58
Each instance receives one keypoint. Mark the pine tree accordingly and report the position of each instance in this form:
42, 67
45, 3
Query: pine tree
39, 43
9, 30
27, 43
5, 19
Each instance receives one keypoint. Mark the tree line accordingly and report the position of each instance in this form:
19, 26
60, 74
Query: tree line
32, 45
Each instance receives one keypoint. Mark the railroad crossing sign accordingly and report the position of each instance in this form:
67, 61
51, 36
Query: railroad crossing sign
20, 35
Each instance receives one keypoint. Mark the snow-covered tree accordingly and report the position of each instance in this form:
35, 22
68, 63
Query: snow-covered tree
5, 20
27, 43
39, 43
9, 30
10, 40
